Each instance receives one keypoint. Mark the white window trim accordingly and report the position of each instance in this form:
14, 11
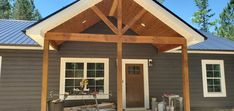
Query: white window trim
85, 60
0, 66
204, 76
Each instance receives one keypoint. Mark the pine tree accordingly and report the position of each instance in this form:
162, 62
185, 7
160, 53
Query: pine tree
226, 22
5, 9
203, 15
37, 15
25, 10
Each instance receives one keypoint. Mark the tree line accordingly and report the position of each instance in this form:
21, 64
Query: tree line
19, 10
224, 26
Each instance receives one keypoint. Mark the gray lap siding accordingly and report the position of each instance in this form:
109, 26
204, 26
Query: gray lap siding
20, 82
167, 77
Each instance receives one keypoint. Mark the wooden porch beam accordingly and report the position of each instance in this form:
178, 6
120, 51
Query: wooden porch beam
81, 37
44, 87
134, 20
113, 8
113, 38
120, 17
185, 69
165, 47
152, 39
105, 19
54, 45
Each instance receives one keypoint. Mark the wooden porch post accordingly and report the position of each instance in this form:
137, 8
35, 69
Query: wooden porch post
45, 76
119, 58
186, 92
119, 77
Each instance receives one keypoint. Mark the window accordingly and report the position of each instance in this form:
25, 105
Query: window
74, 70
213, 78
134, 69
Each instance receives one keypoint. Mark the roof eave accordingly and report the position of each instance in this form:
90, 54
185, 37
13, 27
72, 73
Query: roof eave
192, 35
20, 47
192, 51
38, 30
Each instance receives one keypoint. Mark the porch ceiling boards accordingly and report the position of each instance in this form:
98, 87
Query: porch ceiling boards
129, 15
134, 17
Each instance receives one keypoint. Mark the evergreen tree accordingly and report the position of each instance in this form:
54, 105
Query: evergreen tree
25, 10
37, 15
226, 22
5, 9
203, 15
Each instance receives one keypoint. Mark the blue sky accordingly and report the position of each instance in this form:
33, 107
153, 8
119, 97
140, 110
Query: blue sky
183, 8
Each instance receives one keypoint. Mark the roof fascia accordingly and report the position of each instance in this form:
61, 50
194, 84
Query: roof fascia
37, 31
169, 18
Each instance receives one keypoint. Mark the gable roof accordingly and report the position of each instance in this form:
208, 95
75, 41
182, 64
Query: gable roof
11, 34
172, 20
38, 30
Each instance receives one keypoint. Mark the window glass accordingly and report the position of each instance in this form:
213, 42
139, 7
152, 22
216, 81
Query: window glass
213, 78
75, 72
74, 69
134, 69
95, 69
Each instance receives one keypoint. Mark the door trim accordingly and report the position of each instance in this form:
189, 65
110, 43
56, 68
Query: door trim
145, 79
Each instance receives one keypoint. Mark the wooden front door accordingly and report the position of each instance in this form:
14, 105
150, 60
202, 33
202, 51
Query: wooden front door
134, 85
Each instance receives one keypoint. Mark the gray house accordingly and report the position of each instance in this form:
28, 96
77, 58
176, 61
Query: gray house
134, 50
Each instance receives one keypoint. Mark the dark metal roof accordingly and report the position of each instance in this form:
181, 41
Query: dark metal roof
214, 43
11, 33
